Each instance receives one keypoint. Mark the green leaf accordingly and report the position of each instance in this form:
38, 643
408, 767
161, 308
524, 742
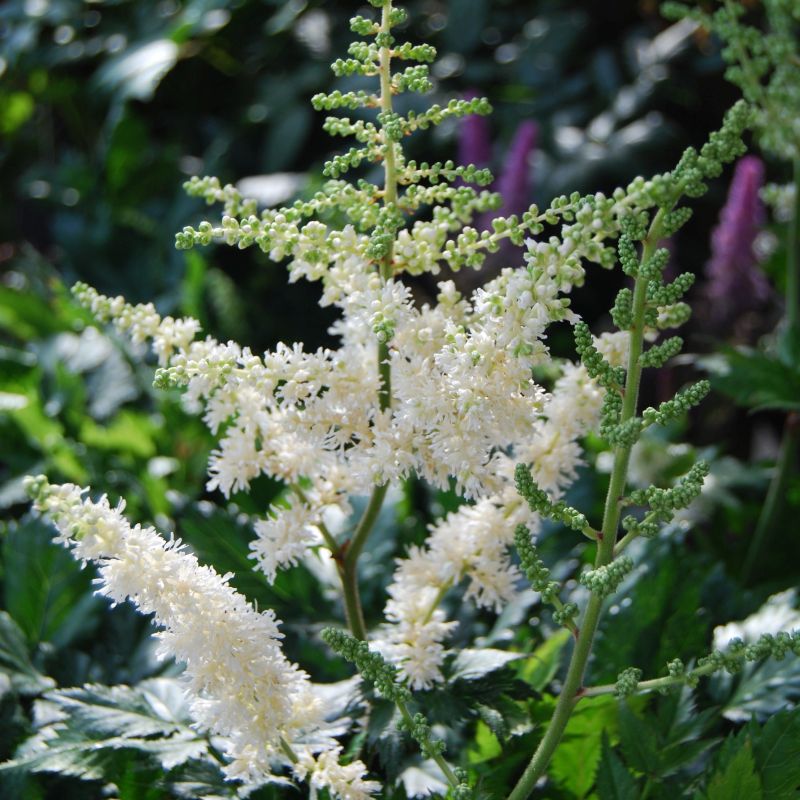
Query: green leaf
472, 665
15, 661
575, 762
85, 729
542, 665
45, 590
639, 742
485, 745
129, 432
737, 780
760, 689
754, 379
200, 779
777, 754
614, 782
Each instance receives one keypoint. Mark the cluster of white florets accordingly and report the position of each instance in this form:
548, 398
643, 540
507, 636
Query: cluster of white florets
473, 542
464, 408
241, 685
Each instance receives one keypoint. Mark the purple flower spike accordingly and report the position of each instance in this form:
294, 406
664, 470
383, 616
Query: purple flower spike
514, 184
475, 141
734, 283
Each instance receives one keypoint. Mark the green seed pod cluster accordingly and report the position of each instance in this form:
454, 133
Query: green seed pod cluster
605, 580
371, 665
627, 682
610, 378
538, 501
533, 566
420, 731
664, 502
631, 524
659, 354
673, 409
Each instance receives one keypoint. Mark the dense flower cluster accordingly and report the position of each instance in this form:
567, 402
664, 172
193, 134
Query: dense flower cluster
241, 685
444, 391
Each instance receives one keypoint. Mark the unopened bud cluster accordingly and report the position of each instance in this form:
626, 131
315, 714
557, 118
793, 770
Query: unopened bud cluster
605, 580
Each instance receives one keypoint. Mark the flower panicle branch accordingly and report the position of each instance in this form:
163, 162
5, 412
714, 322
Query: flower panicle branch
730, 660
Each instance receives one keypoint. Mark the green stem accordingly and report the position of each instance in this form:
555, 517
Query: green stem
349, 560
791, 431
605, 552
654, 684
288, 751
348, 564
327, 536
793, 260
437, 757
775, 494
631, 535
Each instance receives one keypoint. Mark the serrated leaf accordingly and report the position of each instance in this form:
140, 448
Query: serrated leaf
15, 661
83, 729
614, 782
761, 689
494, 719
738, 779
639, 742
777, 755
472, 665
574, 764
155, 707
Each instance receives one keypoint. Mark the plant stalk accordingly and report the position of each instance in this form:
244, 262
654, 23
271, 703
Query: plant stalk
349, 562
791, 431
587, 628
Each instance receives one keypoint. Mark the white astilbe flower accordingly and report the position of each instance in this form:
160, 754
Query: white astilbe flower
345, 781
473, 542
614, 346
462, 387
240, 684
285, 536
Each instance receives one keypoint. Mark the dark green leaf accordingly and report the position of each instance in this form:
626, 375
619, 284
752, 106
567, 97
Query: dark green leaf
15, 661
45, 589
639, 742
736, 778
83, 730
777, 754
756, 380
614, 782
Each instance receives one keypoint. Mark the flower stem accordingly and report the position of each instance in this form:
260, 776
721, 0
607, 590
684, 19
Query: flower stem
793, 260
650, 685
791, 430
348, 570
437, 757
348, 566
775, 493
571, 690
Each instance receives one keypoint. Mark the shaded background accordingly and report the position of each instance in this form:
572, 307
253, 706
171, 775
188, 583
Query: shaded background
106, 108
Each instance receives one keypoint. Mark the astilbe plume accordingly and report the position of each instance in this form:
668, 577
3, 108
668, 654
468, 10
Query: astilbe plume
445, 392
734, 281
241, 686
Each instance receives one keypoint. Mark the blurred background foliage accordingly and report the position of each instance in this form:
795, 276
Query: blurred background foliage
106, 107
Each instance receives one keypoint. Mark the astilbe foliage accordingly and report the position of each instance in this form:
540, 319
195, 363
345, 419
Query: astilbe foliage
443, 391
